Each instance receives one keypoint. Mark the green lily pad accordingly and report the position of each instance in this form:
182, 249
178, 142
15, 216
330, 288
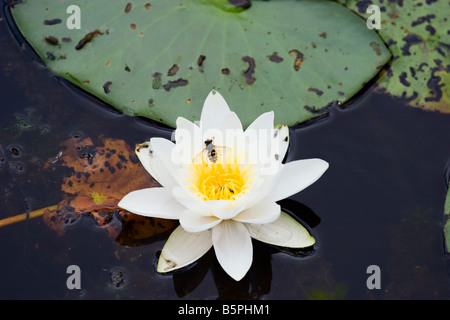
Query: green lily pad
447, 222
418, 35
160, 59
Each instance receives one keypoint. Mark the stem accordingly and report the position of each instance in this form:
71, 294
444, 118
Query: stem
23, 216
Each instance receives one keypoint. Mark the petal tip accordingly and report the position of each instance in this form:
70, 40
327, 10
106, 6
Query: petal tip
320, 165
237, 277
123, 203
308, 242
166, 265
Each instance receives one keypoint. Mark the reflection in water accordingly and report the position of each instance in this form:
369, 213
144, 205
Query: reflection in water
136, 231
258, 280
143, 233
413, 275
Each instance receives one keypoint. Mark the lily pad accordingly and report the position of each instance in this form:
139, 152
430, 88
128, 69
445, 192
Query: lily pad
418, 35
160, 59
447, 221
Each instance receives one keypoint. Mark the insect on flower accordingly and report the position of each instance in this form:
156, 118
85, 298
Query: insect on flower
211, 153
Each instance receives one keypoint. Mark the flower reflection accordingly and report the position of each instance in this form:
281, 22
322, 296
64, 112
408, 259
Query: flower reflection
257, 281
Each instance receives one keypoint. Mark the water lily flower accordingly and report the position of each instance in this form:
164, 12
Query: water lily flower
223, 183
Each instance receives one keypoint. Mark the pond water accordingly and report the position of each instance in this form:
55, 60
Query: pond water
380, 202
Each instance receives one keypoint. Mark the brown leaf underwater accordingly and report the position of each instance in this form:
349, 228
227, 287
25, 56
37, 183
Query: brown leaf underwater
102, 174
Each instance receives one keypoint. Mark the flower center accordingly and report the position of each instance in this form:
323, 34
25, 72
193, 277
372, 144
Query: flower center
217, 181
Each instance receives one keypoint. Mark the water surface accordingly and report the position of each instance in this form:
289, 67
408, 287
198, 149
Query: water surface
380, 203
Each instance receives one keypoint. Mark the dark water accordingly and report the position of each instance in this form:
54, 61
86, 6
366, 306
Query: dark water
380, 203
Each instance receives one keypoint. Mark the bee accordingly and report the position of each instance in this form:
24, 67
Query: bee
212, 151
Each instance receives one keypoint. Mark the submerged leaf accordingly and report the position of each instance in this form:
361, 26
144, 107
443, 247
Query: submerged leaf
102, 174
161, 59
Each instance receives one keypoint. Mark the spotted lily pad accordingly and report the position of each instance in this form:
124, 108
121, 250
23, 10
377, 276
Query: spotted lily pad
418, 35
160, 59
447, 221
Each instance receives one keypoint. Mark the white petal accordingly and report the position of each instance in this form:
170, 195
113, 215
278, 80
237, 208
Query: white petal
189, 140
278, 143
214, 109
190, 201
260, 191
218, 205
229, 213
183, 248
233, 247
152, 202
167, 167
281, 139
194, 222
226, 131
263, 125
143, 153
264, 212
267, 142
295, 176
283, 232
153, 164
221, 207
230, 127
264, 122
184, 129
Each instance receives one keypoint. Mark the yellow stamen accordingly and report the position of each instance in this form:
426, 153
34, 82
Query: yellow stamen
219, 181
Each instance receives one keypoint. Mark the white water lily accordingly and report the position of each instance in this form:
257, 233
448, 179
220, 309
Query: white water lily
226, 194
